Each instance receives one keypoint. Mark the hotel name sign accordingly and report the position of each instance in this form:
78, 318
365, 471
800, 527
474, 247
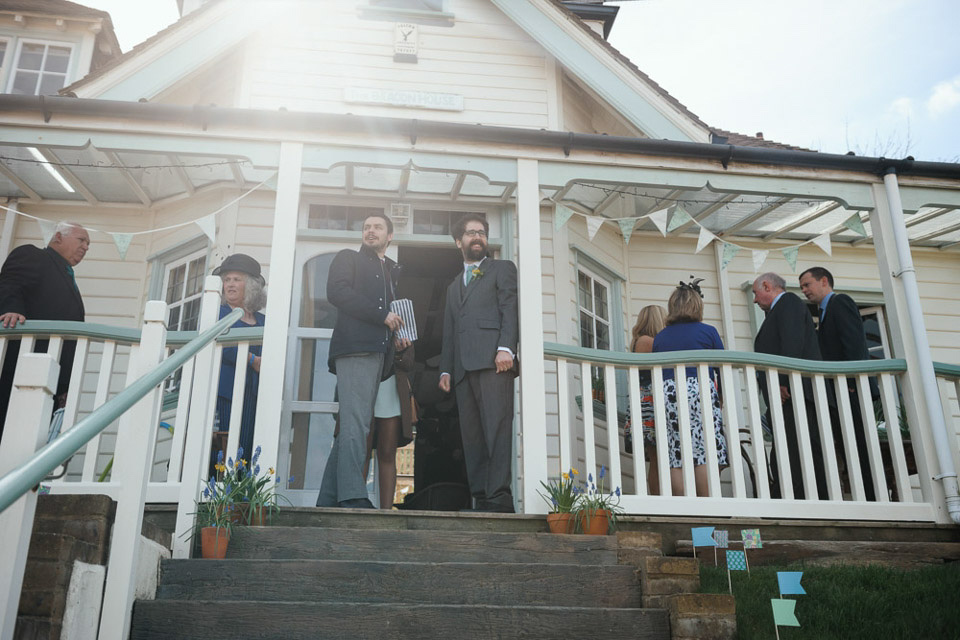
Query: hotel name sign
404, 98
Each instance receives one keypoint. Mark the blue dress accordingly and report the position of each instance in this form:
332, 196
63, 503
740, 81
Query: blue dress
684, 337
228, 368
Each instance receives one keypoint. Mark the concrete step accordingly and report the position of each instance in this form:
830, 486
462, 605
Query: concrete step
447, 583
419, 545
294, 620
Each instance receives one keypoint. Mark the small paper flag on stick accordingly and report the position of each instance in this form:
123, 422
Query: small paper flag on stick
722, 538
759, 257
823, 241
47, 229
729, 251
783, 613
626, 228
659, 219
679, 218
751, 539
856, 225
736, 561
122, 241
705, 238
789, 582
593, 225
702, 537
790, 254
560, 216
208, 224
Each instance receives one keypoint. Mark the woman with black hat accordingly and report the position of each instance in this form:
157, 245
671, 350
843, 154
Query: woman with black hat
243, 288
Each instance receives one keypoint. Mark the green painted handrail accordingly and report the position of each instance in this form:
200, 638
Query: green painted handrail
30, 473
72, 330
946, 370
718, 356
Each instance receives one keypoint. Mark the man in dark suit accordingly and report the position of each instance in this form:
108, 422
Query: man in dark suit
841, 337
480, 334
39, 284
788, 331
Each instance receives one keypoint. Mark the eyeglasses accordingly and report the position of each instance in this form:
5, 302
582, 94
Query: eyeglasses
475, 233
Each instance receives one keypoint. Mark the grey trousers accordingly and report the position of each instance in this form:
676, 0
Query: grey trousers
485, 402
358, 377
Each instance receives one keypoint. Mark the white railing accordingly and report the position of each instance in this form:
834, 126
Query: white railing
750, 430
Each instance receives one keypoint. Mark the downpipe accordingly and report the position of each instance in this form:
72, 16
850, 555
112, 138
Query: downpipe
928, 379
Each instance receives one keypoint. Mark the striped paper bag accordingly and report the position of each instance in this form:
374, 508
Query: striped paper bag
404, 309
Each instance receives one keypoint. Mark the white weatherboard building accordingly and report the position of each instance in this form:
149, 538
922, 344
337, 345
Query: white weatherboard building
272, 128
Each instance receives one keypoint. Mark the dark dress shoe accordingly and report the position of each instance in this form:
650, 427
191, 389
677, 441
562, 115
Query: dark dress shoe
356, 503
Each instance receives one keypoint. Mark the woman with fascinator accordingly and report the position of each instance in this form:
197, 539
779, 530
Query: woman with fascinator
685, 331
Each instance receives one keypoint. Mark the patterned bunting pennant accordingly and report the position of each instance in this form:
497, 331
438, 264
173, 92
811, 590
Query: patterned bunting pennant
759, 257
560, 216
47, 229
856, 225
593, 225
627, 226
659, 219
679, 218
729, 251
705, 238
122, 242
790, 254
208, 224
823, 241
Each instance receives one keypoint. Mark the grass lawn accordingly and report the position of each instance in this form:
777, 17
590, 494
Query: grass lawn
877, 603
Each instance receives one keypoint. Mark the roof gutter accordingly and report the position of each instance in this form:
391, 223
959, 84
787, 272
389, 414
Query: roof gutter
204, 117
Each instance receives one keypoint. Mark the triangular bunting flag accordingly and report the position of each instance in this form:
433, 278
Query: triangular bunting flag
856, 225
759, 257
729, 251
122, 240
593, 225
679, 218
271, 182
208, 224
705, 238
823, 241
790, 254
659, 219
560, 216
47, 229
626, 227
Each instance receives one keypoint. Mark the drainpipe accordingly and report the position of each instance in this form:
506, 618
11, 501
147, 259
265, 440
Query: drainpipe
931, 394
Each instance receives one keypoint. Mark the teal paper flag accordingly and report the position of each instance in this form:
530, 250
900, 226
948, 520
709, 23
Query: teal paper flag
729, 251
856, 225
703, 537
626, 227
736, 561
560, 216
679, 218
783, 615
790, 254
790, 583
751, 538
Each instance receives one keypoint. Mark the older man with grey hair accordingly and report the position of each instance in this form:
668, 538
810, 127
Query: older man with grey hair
39, 284
788, 330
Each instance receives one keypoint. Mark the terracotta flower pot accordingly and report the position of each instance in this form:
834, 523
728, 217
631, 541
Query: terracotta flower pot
597, 524
561, 522
213, 542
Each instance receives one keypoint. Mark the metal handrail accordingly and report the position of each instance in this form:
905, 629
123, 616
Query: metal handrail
30, 473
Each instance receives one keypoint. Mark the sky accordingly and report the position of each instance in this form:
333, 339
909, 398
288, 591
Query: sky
877, 77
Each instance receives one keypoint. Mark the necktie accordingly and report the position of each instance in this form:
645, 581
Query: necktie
470, 269
73, 278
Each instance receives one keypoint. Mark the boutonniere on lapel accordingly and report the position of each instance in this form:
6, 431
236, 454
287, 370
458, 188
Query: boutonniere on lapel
476, 273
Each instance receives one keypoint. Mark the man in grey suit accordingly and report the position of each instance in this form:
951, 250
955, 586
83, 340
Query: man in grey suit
480, 333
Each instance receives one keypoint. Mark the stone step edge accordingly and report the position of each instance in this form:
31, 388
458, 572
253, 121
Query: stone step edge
398, 603
512, 566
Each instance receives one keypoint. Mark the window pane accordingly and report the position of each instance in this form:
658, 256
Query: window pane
57, 59
31, 57
3, 51
25, 84
603, 335
195, 279
51, 84
191, 315
173, 324
586, 330
586, 299
600, 292
175, 284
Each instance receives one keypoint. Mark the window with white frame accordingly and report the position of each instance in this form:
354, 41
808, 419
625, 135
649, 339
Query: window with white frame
40, 67
594, 307
4, 46
183, 289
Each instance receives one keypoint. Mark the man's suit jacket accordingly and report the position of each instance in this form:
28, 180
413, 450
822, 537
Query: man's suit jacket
35, 283
840, 334
788, 331
479, 318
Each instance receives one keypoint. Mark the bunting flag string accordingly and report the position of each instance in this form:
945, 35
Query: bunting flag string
790, 255
627, 226
47, 229
560, 216
679, 218
823, 241
659, 219
122, 241
729, 251
593, 225
855, 224
208, 224
704, 239
759, 257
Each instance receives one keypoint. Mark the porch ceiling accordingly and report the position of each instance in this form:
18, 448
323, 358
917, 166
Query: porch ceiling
59, 174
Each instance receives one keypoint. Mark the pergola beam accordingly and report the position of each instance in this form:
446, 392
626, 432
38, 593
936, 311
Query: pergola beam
753, 217
938, 232
404, 181
237, 174
457, 186
135, 186
702, 215
915, 220
799, 222
15, 179
606, 202
75, 182
182, 174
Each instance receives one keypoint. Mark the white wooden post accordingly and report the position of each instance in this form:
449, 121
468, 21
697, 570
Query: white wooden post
199, 429
136, 435
277, 326
533, 408
32, 402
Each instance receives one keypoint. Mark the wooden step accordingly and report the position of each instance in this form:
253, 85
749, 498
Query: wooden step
407, 582
419, 546
214, 620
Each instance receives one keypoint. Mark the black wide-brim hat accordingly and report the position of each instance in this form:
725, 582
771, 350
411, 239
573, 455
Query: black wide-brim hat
243, 263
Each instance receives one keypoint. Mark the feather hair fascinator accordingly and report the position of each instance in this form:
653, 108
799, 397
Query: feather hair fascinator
693, 285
